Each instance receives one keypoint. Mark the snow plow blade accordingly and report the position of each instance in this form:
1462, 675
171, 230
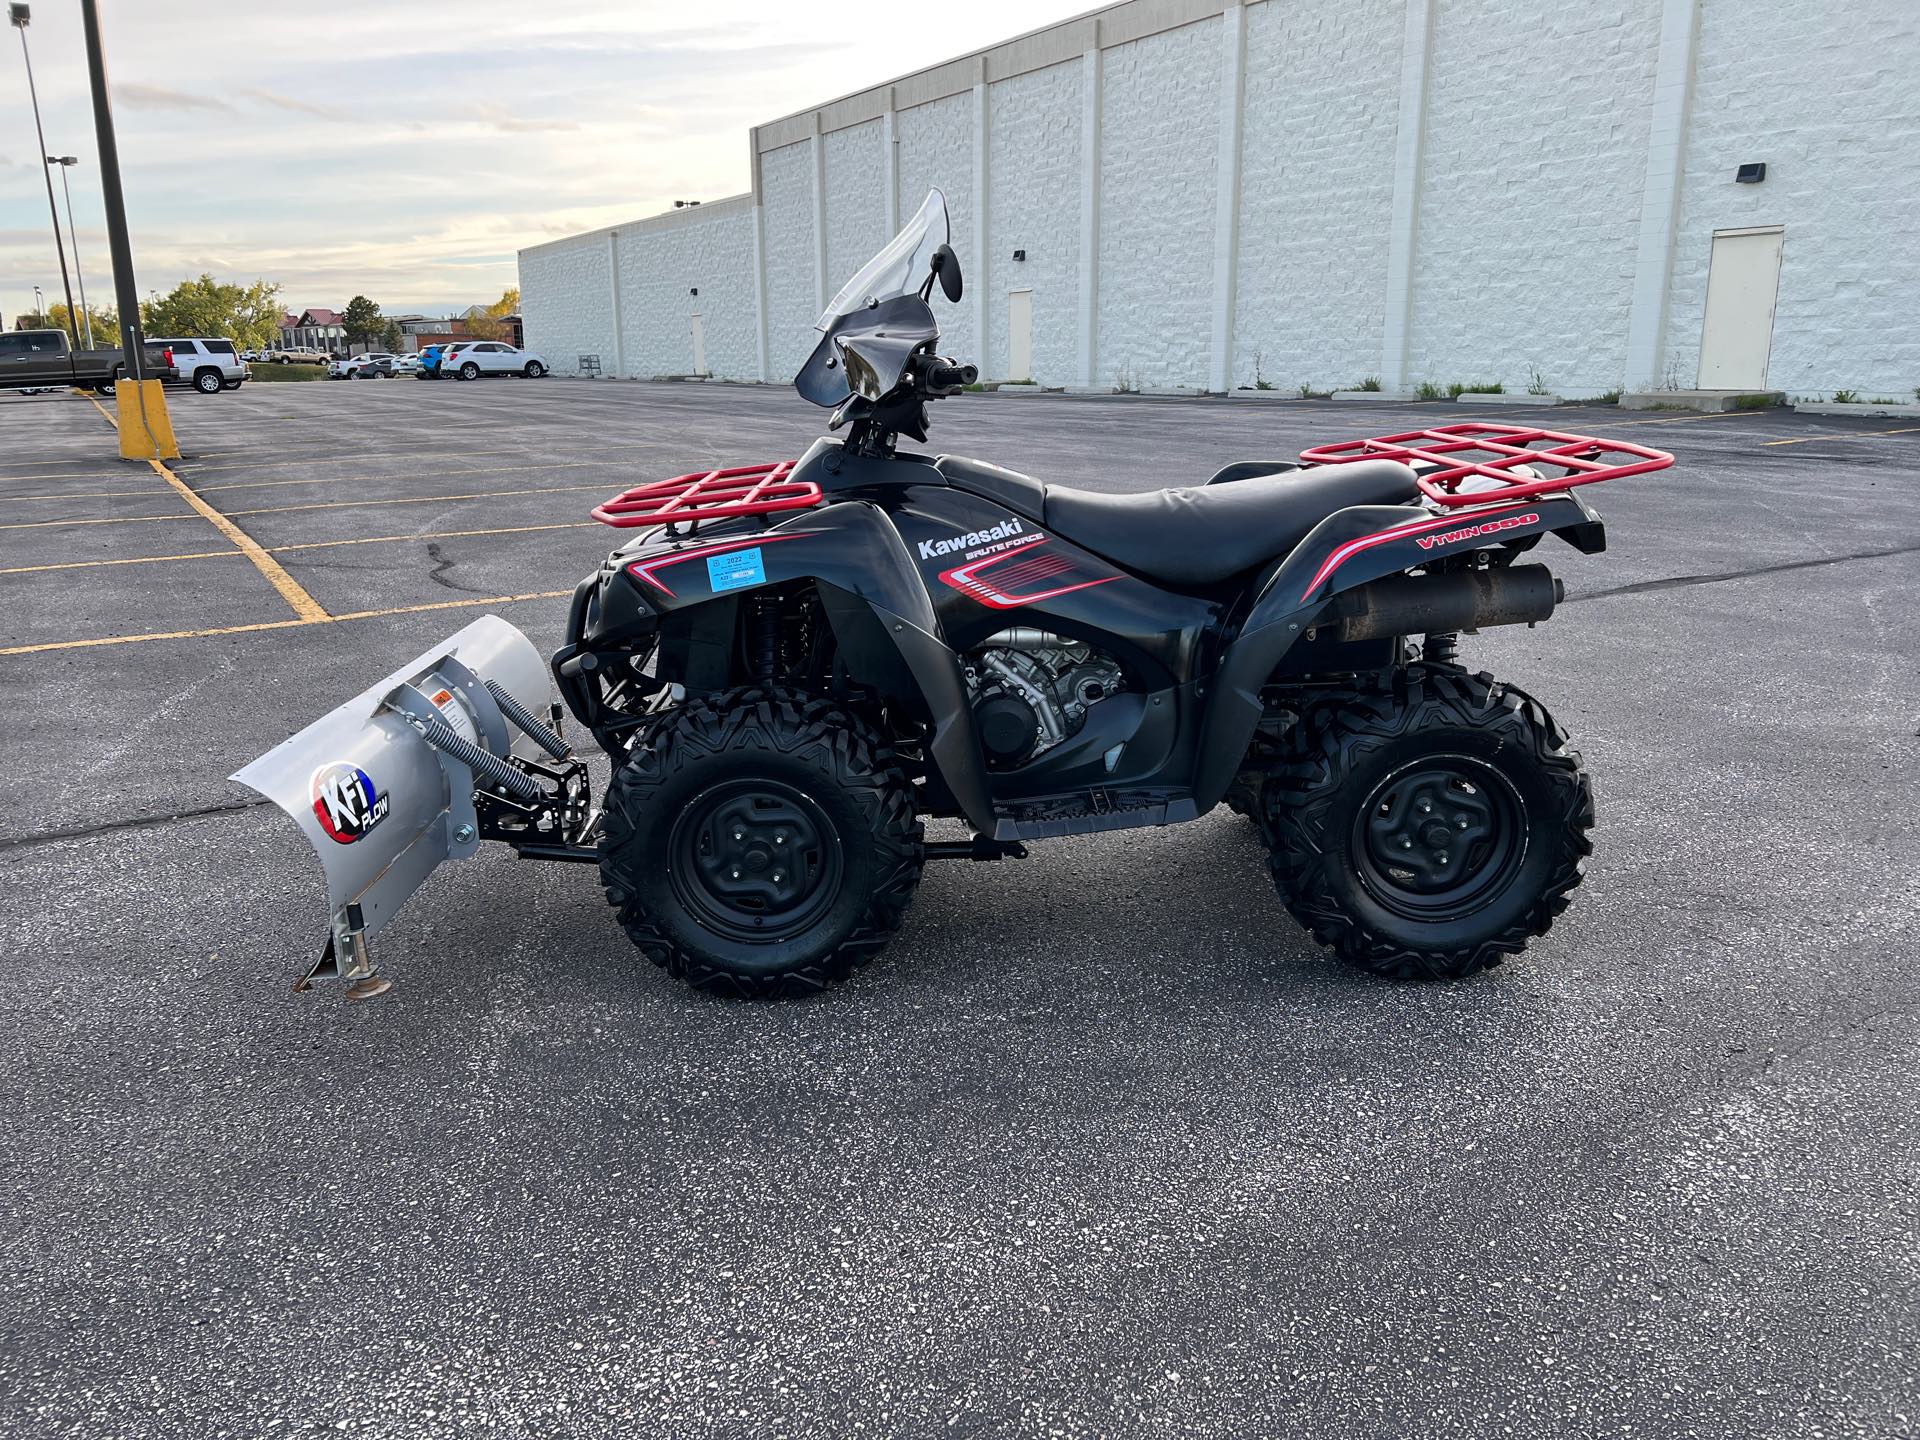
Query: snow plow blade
418, 769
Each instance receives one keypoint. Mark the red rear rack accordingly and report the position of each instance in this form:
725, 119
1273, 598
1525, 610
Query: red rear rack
1489, 451
710, 495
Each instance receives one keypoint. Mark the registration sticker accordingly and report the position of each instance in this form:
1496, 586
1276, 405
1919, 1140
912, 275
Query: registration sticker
735, 569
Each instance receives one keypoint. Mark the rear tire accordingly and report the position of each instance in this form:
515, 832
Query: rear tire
208, 382
470, 371
760, 843
1427, 835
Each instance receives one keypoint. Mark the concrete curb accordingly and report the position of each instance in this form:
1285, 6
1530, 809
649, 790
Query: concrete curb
1895, 411
1396, 397
1490, 397
1707, 402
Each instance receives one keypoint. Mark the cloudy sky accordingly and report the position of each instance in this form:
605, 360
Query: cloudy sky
407, 150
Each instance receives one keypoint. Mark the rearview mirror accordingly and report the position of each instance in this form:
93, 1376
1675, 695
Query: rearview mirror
946, 265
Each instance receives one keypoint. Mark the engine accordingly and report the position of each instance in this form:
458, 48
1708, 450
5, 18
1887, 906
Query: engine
1030, 690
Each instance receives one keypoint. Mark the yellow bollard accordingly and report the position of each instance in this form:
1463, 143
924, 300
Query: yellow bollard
146, 430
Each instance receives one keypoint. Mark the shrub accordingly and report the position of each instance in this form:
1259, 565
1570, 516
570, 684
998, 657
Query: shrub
287, 372
1427, 390
1846, 397
1372, 382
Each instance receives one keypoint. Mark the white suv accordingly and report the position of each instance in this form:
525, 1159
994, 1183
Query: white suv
209, 365
471, 359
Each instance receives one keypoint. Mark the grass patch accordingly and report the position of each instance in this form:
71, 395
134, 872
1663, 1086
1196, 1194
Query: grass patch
1845, 397
1757, 402
1475, 387
1370, 383
1307, 392
1612, 397
1427, 390
287, 372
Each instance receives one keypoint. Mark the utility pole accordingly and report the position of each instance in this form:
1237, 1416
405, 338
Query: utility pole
146, 430
66, 163
126, 293
21, 16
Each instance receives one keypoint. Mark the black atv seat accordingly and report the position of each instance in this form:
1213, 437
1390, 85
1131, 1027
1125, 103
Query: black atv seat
1200, 537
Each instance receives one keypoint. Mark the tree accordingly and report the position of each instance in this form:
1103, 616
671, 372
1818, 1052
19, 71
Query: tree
363, 322
392, 337
106, 325
248, 315
489, 322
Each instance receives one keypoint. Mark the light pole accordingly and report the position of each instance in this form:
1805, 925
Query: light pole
20, 15
39, 305
67, 162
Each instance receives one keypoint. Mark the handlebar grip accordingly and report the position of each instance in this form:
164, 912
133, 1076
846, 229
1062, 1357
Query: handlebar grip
952, 377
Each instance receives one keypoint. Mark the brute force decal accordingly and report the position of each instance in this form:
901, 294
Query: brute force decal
1427, 542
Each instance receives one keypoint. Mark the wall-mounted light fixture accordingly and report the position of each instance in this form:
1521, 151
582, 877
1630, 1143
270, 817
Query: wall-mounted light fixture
1019, 254
1751, 173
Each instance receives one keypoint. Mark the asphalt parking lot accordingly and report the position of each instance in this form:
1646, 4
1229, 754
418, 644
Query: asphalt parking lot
1103, 1145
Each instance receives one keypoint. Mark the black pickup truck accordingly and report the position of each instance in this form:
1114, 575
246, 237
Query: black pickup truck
42, 359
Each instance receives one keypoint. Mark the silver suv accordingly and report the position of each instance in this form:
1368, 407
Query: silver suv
208, 365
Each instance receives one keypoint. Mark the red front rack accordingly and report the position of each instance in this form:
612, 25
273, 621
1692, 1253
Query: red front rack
1489, 451
710, 495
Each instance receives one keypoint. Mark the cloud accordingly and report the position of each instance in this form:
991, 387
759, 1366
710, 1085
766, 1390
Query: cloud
501, 118
299, 107
155, 97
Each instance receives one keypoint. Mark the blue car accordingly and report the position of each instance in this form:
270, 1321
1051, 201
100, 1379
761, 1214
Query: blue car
430, 362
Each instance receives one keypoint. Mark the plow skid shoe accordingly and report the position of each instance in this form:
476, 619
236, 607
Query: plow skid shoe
380, 801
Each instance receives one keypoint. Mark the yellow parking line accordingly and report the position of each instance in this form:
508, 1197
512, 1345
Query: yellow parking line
417, 499
437, 535
1845, 435
321, 619
127, 560
290, 589
1688, 419
305, 545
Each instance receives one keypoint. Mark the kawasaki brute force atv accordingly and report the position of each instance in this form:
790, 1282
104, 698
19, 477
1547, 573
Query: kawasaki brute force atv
792, 665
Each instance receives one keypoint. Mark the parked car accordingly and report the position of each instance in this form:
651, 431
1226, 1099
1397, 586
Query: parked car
430, 359
300, 357
471, 359
375, 365
210, 364
42, 359
405, 365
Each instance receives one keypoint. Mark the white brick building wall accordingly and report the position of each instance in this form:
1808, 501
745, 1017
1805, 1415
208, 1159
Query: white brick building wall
1033, 205
1423, 190
1316, 189
1157, 156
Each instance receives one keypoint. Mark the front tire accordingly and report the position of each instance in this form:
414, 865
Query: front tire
1428, 834
534, 370
760, 843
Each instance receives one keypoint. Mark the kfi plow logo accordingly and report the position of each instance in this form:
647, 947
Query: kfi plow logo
345, 802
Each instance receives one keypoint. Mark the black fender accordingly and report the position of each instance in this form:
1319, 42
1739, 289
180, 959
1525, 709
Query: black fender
1344, 551
883, 620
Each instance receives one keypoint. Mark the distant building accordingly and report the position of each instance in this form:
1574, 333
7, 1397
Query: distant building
314, 328
419, 331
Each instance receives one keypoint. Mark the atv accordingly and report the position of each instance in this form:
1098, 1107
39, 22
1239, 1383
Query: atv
791, 666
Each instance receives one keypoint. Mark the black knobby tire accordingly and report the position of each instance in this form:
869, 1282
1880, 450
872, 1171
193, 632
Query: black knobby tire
715, 799
1429, 833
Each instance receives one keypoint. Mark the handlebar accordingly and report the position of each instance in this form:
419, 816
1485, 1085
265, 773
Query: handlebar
936, 376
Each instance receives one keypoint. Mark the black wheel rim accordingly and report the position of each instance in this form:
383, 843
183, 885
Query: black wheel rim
755, 859
1440, 838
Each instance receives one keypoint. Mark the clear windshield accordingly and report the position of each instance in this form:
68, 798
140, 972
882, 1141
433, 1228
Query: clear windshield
899, 268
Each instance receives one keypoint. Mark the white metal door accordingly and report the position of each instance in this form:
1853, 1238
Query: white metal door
1742, 284
699, 346
1019, 335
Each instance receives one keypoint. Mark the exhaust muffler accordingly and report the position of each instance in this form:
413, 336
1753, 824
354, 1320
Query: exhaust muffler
1436, 604
385, 786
